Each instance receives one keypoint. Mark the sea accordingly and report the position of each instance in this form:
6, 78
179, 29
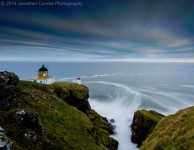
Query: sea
118, 89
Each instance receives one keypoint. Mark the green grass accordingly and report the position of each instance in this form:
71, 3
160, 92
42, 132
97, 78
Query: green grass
70, 89
149, 119
64, 126
175, 132
149, 116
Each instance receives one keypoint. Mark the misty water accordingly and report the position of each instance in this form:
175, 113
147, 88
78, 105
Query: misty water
117, 90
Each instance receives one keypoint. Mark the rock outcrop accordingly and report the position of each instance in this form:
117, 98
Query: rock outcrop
5, 142
75, 95
111, 128
29, 120
101, 130
8, 92
144, 122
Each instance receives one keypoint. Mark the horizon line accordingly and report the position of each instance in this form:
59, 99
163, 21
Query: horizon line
134, 60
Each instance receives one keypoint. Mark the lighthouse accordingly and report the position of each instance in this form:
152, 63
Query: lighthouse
78, 80
43, 76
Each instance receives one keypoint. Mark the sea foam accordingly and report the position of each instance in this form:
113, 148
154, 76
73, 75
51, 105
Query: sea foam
127, 100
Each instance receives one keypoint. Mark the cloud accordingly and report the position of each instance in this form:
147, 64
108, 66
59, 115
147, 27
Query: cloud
132, 32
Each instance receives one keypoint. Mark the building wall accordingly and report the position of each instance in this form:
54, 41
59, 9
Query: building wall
45, 81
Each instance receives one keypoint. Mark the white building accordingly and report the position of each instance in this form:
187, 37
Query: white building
43, 76
78, 81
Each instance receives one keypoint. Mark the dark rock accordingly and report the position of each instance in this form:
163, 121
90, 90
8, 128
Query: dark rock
113, 144
81, 104
137, 130
29, 120
9, 78
32, 137
111, 128
112, 121
143, 124
101, 126
8, 92
5, 142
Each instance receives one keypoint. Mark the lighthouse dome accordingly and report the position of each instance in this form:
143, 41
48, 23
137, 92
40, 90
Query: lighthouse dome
43, 68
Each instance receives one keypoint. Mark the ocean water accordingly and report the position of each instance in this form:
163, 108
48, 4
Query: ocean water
117, 90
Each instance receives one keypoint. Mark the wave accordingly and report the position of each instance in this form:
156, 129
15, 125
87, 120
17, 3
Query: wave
163, 100
83, 77
97, 75
121, 108
171, 101
100, 75
123, 118
67, 78
187, 86
123, 86
92, 76
125, 100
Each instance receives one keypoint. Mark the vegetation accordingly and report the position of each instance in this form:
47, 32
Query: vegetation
144, 122
149, 116
101, 131
63, 126
174, 132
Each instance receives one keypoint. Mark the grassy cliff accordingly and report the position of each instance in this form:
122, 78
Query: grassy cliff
174, 132
65, 124
143, 124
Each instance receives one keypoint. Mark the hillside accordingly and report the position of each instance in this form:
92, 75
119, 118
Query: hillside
58, 116
174, 132
144, 122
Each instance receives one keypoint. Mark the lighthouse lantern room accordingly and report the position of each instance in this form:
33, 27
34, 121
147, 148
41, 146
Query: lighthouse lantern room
43, 76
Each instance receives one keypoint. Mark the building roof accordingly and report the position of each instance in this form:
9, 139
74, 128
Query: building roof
43, 68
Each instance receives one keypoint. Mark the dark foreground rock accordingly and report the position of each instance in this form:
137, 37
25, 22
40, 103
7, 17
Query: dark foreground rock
29, 120
8, 90
111, 128
5, 142
144, 122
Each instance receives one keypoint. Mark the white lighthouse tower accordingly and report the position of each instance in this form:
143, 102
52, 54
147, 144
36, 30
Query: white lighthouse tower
43, 76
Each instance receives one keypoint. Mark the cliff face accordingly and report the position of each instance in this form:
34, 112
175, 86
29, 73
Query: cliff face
52, 117
173, 132
153, 131
8, 90
143, 124
74, 94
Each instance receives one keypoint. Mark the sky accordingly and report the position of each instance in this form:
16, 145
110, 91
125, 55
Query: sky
97, 30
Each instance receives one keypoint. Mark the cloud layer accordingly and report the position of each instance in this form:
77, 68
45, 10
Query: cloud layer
99, 31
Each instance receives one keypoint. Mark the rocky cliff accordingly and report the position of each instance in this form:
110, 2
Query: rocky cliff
143, 124
173, 132
58, 116
153, 131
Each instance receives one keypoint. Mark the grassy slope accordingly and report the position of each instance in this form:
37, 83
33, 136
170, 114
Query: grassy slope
175, 132
145, 121
149, 116
80, 91
64, 127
